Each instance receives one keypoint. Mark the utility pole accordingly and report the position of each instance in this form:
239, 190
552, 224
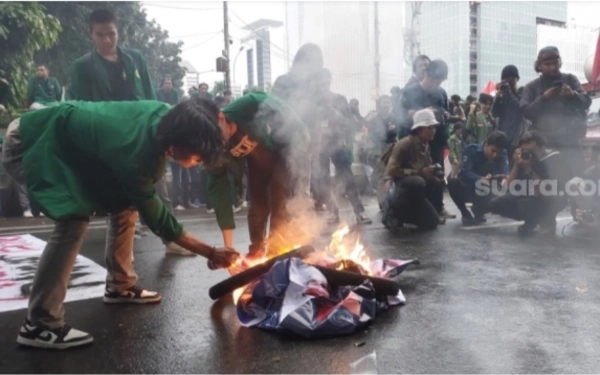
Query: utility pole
377, 59
226, 50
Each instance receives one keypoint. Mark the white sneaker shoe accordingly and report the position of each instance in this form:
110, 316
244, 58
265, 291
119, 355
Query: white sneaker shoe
27, 213
210, 211
179, 208
236, 209
173, 248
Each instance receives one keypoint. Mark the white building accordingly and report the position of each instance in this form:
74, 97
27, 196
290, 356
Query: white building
575, 44
346, 33
191, 78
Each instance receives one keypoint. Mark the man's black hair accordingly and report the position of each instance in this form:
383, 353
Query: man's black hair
41, 64
203, 84
419, 59
457, 126
437, 69
470, 98
381, 99
456, 98
193, 127
101, 16
308, 57
532, 136
498, 139
227, 93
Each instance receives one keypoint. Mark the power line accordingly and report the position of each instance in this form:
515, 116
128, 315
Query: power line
203, 42
194, 35
180, 8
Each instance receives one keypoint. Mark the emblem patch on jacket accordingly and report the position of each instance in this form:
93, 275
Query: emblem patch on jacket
245, 147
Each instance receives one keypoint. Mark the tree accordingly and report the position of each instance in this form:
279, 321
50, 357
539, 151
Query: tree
24, 29
135, 31
218, 88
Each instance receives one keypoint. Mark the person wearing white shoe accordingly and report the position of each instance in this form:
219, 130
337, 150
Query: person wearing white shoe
97, 164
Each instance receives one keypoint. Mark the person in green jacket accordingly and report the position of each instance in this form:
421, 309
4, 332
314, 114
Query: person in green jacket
480, 122
266, 132
76, 158
166, 93
43, 90
456, 146
109, 72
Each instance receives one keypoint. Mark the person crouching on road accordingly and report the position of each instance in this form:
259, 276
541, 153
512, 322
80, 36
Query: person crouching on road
266, 132
528, 198
76, 158
481, 164
415, 187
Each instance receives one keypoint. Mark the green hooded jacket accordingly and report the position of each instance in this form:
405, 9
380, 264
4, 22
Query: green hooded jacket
78, 158
265, 119
89, 81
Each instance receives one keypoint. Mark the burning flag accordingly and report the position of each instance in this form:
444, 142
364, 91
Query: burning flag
306, 296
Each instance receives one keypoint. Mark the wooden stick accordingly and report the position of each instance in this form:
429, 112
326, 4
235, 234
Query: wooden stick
246, 277
383, 287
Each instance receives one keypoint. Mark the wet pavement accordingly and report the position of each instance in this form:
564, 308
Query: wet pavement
482, 301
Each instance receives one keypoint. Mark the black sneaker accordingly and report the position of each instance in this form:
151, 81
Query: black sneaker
135, 294
58, 338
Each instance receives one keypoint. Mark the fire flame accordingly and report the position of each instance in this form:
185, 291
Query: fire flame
344, 246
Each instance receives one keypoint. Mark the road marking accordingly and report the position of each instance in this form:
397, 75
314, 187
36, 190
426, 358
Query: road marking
508, 224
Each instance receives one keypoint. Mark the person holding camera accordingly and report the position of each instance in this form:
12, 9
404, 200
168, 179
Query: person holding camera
480, 122
483, 164
556, 105
413, 183
535, 186
506, 107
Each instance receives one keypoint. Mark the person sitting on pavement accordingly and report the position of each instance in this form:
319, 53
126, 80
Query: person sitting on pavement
480, 122
43, 90
265, 131
76, 158
456, 146
429, 94
414, 185
534, 186
481, 164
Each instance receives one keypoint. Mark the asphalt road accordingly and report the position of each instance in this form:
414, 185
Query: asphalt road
483, 301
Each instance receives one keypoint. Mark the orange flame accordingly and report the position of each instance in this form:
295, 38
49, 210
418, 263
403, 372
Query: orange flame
343, 246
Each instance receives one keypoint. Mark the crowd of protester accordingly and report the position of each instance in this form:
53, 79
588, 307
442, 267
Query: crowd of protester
112, 142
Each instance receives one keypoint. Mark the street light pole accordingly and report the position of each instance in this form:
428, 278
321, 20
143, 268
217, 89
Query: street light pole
234, 61
226, 50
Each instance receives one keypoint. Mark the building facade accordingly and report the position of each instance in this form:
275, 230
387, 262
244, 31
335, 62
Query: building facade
477, 39
346, 34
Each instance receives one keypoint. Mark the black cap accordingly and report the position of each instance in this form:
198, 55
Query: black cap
549, 53
510, 71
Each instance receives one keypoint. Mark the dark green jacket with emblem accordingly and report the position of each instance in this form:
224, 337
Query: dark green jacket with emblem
78, 158
266, 120
42, 91
89, 81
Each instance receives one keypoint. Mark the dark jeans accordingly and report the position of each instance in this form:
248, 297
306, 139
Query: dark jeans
195, 184
532, 210
181, 185
415, 201
268, 188
462, 194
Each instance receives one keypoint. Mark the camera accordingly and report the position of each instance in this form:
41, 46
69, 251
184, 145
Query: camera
438, 171
558, 83
526, 155
504, 86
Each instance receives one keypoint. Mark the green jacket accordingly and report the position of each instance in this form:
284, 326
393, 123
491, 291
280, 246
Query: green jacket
44, 91
78, 158
89, 81
456, 147
172, 97
266, 120
479, 126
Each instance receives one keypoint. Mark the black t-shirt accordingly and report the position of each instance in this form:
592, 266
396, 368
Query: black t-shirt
119, 82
